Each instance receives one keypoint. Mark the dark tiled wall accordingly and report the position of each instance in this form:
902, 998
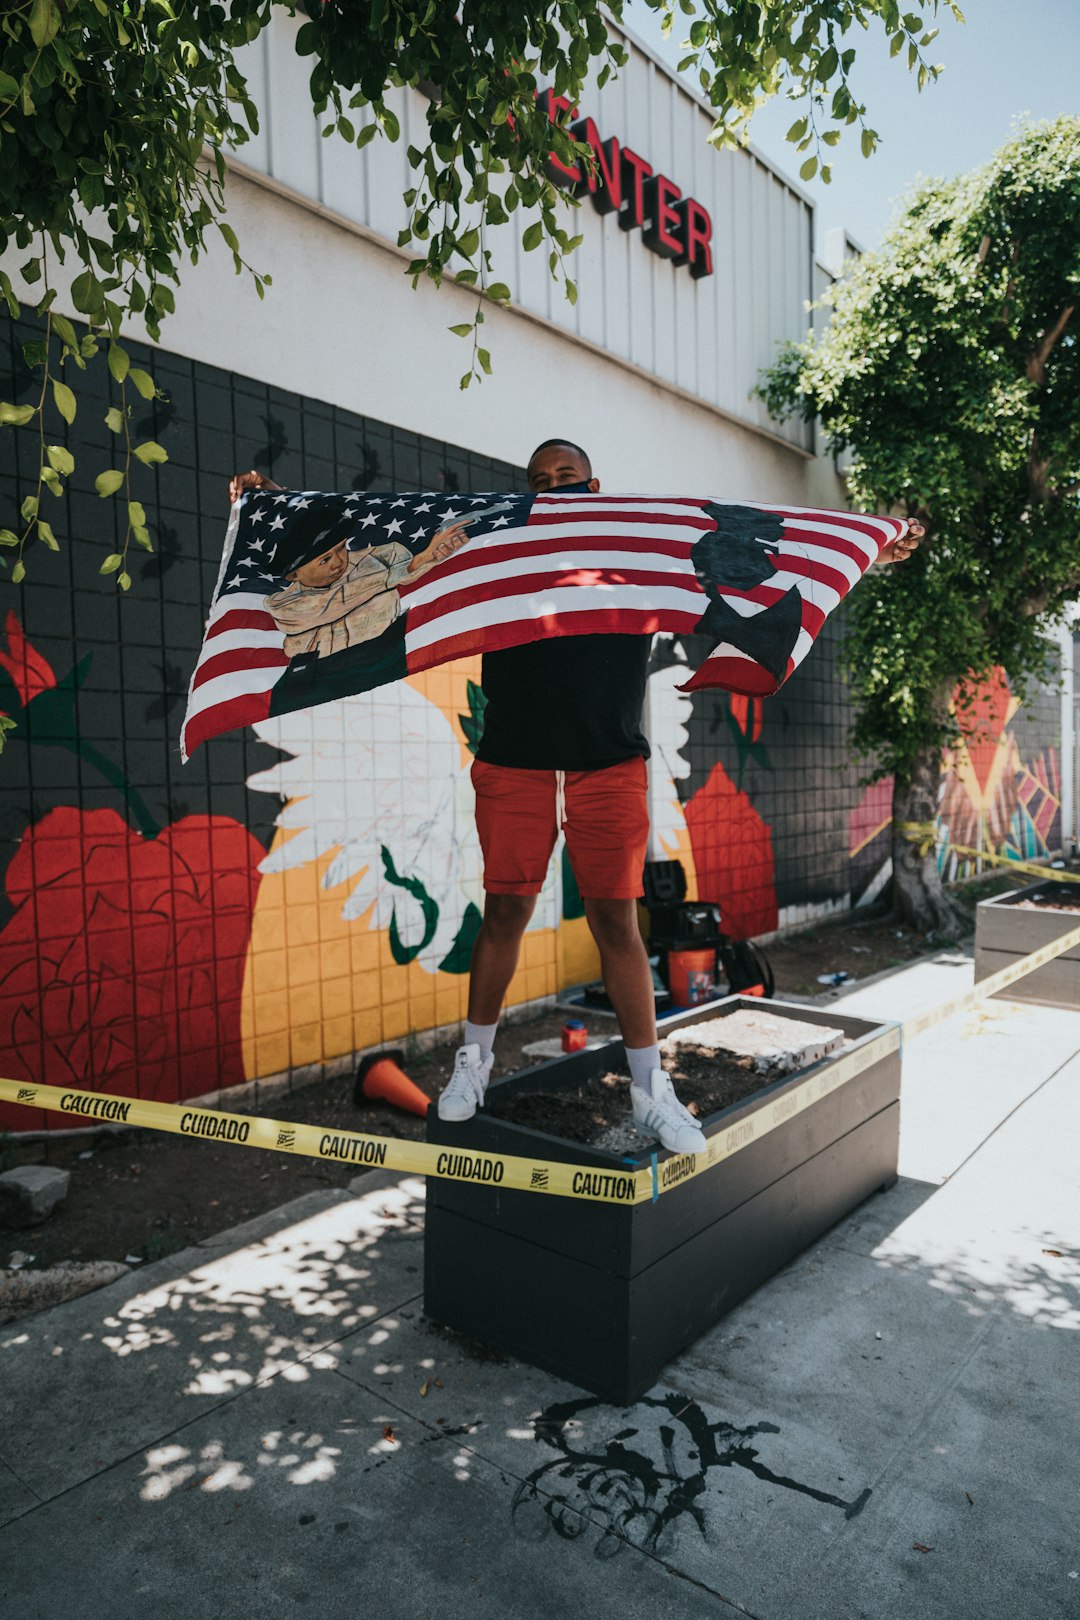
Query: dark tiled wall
136, 652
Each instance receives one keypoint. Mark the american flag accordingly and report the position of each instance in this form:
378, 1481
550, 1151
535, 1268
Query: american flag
759, 579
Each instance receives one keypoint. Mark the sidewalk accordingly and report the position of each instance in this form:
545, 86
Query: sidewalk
266, 1424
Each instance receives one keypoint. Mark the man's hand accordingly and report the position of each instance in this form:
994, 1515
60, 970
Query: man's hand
905, 545
239, 482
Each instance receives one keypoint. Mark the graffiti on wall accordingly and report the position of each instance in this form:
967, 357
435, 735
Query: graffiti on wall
993, 798
122, 960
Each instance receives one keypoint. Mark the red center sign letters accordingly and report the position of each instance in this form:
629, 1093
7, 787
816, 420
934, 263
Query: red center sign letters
622, 183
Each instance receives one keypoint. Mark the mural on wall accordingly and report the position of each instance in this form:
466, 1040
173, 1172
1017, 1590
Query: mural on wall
1000, 791
993, 798
311, 887
122, 961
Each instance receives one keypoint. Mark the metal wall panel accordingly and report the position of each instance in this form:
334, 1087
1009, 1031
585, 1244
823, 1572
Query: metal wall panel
710, 337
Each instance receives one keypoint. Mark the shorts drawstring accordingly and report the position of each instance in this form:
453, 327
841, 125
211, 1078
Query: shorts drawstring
560, 800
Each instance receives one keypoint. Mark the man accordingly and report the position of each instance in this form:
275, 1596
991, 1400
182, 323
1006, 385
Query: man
563, 749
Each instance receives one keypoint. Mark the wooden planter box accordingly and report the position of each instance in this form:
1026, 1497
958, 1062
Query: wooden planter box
604, 1296
1004, 932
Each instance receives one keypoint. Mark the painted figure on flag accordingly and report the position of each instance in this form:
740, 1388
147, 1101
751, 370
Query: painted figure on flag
325, 596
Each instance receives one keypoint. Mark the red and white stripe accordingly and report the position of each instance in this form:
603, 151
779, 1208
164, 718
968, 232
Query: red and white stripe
519, 584
242, 659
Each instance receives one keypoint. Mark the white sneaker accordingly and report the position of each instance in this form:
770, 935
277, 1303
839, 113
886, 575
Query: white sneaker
464, 1092
659, 1111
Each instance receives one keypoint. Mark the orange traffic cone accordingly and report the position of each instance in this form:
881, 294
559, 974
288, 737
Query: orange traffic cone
380, 1078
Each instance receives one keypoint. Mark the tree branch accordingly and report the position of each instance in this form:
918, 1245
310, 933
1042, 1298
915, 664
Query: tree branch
1036, 362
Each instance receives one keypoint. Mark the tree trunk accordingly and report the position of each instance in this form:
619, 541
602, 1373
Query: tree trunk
918, 893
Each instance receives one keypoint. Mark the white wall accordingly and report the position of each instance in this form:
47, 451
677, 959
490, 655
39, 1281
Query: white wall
710, 337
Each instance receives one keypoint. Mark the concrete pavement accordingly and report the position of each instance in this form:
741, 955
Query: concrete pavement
887, 1431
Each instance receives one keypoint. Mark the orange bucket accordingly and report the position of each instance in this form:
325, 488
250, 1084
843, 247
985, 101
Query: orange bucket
691, 976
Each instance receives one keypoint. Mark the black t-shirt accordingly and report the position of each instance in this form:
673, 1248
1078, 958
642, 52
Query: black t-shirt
566, 703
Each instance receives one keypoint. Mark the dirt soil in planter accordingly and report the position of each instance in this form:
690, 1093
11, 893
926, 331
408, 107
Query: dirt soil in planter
1063, 897
597, 1112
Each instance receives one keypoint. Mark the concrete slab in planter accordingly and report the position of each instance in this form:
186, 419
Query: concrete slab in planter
604, 1295
1006, 929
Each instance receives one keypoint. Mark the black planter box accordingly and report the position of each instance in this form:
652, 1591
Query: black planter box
604, 1295
1004, 932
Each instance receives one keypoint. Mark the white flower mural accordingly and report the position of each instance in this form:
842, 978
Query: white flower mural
375, 786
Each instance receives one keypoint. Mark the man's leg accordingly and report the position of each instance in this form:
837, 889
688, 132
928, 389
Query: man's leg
495, 953
607, 829
624, 964
515, 820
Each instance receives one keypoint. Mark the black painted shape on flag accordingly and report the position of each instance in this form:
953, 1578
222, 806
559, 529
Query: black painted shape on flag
740, 553
315, 600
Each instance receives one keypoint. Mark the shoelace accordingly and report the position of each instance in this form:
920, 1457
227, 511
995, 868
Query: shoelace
465, 1079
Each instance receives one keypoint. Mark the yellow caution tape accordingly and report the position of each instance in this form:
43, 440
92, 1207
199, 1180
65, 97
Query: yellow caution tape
990, 986
343, 1147
1014, 866
590, 1182
923, 834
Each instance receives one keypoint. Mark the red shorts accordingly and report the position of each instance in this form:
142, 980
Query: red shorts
605, 817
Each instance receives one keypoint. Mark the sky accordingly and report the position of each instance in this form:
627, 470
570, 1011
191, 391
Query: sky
1006, 60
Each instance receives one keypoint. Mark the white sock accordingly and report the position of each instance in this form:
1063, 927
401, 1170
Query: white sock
481, 1035
642, 1060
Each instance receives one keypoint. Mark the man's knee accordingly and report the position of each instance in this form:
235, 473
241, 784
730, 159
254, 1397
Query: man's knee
506, 916
614, 924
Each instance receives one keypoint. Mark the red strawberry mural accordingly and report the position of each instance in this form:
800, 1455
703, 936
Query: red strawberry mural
123, 964
733, 856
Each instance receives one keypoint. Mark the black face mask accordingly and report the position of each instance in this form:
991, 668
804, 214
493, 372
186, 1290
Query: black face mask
567, 489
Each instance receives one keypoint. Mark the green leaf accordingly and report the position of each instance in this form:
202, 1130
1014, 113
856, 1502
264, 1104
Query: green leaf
463, 329
869, 141
44, 22
29, 508
119, 364
87, 293
367, 133
111, 563
8, 538
18, 573
107, 483
809, 169
61, 459
143, 382
124, 582
499, 291
532, 236
150, 452
46, 536
9, 87
63, 327
51, 480
15, 415
485, 360
114, 419
229, 234
136, 514
64, 400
